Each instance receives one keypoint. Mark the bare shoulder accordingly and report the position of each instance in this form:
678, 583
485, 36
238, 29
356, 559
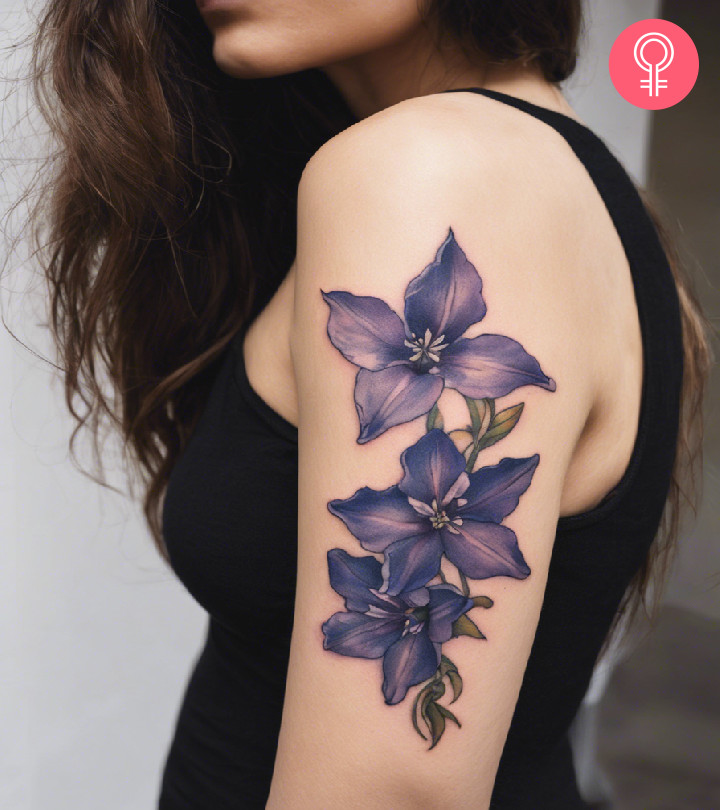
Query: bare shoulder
435, 137
516, 195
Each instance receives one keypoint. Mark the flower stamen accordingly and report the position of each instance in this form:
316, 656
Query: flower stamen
441, 520
426, 347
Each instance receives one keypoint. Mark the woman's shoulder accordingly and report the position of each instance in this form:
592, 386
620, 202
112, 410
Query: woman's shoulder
506, 181
466, 140
376, 201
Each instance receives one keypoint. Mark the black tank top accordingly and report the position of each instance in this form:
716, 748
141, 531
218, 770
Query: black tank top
225, 530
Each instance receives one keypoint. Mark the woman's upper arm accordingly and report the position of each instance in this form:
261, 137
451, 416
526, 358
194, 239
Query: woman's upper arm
441, 389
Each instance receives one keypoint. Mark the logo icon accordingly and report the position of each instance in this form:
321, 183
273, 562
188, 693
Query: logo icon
654, 64
654, 83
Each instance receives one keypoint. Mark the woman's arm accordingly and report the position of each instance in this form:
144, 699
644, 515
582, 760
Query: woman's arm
443, 384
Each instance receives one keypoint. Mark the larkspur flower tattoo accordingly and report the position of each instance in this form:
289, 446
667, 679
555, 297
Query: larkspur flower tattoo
438, 508
405, 630
404, 365
402, 609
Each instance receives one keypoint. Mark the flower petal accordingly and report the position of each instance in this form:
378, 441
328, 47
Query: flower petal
412, 659
432, 466
412, 562
352, 577
383, 604
392, 396
417, 598
482, 550
495, 491
378, 517
490, 366
365, 330
457, 489
447, 603
446, 297
361, 636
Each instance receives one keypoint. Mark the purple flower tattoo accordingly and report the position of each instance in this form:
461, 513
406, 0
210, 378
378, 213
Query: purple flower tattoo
442, 506
405, 630
404, 365
438, 508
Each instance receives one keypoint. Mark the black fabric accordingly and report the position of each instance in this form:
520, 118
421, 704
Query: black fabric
229, 521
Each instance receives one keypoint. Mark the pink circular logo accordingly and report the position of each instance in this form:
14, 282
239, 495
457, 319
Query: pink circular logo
654, 64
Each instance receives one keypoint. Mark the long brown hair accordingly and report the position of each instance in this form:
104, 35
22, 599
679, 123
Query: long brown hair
170, 211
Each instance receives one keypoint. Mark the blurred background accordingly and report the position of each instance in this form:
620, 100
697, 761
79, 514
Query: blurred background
98, 637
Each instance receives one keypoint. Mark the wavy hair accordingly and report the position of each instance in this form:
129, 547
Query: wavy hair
170, 210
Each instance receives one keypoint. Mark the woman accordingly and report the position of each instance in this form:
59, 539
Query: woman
392, 327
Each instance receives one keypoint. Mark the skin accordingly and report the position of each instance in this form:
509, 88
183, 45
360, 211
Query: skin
556, 276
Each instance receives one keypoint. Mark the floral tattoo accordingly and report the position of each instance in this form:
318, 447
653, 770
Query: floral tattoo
402, 609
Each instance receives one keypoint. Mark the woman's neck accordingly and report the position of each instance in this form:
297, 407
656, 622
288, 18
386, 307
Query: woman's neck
415, 66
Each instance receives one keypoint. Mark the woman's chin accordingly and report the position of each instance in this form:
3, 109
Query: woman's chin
235, 58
